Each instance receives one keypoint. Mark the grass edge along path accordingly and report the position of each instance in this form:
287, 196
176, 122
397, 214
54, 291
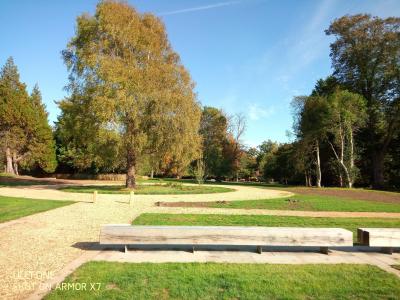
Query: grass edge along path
151, 189
229, 281
262, 220
12, 208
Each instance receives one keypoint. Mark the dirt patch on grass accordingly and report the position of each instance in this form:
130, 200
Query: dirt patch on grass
187, 204
356, 194
292, 204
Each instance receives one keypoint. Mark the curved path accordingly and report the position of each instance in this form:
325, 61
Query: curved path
39, 246
52, 241
51, 192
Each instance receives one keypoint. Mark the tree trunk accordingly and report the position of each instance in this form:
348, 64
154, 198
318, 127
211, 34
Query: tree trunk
378, 155
352, 173
9, 166
15, 163
377, 169
340, 179
318, 165
308, 178
346, 171
130, 170
342, 164
152, 173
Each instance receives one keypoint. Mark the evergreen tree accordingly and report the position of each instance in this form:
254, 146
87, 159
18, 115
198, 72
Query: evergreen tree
41, 147
214, 132
25, 137
14, 114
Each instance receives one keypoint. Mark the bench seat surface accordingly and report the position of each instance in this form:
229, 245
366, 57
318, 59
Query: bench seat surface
379, 237
125, 234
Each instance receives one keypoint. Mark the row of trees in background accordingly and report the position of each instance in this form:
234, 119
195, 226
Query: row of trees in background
348, 129
222, 149
131, 108
332, 118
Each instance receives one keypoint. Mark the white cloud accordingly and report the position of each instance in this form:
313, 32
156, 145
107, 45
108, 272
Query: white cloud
256, 112
198, 8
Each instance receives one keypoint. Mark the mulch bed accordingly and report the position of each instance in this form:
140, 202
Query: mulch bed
27, 180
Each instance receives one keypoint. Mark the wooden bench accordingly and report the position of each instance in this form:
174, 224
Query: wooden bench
125, 234
386, 238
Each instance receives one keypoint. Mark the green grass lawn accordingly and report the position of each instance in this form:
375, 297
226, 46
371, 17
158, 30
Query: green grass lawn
262, 220
312, 203
229, 281
156, 189
14, 208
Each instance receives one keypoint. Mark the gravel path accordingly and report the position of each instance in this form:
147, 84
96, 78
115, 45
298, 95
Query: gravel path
51, 192
39, 246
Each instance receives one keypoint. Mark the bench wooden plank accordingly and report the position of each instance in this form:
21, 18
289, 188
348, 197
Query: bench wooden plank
125, 234
379, 237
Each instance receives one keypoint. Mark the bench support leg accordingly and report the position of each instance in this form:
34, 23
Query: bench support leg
387, 250
259, 249
126, 249
324, 250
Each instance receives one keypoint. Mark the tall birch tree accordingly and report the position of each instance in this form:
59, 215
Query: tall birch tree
128, 84
346, 114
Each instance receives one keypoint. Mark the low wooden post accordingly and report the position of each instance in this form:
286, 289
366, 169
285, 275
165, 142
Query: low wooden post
259, 249
94, 196
131, 196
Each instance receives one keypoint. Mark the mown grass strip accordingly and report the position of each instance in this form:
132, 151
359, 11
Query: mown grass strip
13, 208
228, 281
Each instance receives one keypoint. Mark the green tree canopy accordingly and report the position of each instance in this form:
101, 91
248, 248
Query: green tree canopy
214, 131
365, 58
346, 114
130, 94
25, 135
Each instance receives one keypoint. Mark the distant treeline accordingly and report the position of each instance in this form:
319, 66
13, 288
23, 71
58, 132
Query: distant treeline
132, 109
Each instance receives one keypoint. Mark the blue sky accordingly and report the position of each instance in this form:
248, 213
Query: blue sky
249, 56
